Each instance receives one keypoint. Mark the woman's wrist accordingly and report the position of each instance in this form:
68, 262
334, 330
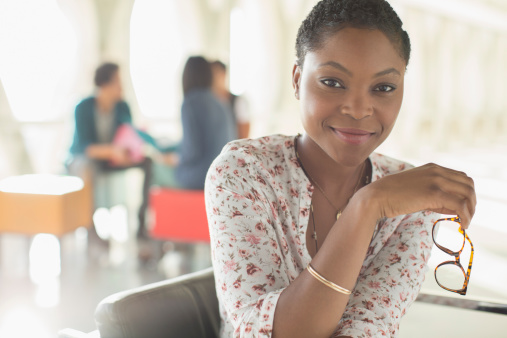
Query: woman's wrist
366, 204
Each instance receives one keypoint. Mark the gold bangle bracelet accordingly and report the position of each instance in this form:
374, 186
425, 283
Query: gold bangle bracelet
327, 283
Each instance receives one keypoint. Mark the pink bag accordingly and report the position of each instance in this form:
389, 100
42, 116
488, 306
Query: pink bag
126, 137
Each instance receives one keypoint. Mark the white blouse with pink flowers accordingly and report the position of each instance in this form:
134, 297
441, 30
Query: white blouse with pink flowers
258, 200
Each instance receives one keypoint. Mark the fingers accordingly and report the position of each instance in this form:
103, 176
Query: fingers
463, 191
459, 187
430, 187
458, 176
451, 203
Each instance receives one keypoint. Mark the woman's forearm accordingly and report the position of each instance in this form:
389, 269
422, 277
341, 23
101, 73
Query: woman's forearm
100, 151
308, 308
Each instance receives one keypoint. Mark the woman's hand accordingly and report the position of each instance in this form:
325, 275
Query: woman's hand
169, 159
120, 156
429, 187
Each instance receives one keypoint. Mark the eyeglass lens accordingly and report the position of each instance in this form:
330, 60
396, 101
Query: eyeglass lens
449, 236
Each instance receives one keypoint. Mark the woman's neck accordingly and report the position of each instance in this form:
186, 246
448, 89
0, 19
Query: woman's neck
337, 180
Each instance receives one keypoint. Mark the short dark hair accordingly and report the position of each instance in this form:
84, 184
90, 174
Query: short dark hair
220, 64
196, 74
329, 16
105, 73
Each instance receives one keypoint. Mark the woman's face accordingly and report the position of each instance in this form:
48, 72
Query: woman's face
351, 90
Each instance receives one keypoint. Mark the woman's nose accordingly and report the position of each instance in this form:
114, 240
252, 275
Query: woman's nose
357, 106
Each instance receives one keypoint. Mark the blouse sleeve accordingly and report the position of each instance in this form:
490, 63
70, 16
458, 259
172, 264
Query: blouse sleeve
246, 252
387, 287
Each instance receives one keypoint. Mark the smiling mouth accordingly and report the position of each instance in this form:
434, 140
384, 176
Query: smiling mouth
352, 136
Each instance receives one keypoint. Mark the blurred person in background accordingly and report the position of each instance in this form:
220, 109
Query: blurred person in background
207, 125
238, 104
97, 120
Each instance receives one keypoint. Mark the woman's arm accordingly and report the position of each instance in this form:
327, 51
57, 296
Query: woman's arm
390, 281
100, 151
246, 251
107, 152
308, 308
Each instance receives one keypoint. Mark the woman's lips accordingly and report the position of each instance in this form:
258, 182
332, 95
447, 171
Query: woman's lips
352, 136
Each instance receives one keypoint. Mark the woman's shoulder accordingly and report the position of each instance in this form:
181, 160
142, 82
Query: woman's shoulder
385, 165
261, 153
263, 148
122, 105
86, 104
259, 163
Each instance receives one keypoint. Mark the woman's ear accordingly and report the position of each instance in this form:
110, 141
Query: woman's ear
296, 78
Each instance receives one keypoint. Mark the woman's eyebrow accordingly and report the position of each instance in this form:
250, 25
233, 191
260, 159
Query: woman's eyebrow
338, 66
387, 71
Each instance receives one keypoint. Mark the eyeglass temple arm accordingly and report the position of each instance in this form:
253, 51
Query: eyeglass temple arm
470, 304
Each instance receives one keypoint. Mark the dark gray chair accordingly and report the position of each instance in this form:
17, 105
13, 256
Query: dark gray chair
185, 306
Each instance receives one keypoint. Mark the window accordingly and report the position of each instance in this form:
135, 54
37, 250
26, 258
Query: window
156, 56
37, 58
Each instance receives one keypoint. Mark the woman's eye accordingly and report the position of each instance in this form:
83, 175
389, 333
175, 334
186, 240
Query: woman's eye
332, 83
384, 88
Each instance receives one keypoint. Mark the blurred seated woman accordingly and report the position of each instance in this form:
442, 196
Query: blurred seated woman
317, 235
97, 120
207, 127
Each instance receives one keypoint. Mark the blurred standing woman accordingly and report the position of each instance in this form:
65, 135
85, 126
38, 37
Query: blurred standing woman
207, 127
317, 235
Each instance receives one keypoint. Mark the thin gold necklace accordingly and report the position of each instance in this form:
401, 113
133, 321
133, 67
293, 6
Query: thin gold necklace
338, 211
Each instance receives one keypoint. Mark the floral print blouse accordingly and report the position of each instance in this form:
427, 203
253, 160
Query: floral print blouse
258, 201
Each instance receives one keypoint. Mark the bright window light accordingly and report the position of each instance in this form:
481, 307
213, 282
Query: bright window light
238, 52
22, 323
155, 55
473, 12
45, 262
38, 52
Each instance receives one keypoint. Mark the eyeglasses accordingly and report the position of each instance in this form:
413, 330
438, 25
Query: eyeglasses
450, 274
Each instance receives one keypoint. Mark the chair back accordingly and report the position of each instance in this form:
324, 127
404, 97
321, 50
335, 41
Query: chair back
185, 306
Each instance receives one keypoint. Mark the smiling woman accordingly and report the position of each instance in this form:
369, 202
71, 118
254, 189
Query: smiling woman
347, 258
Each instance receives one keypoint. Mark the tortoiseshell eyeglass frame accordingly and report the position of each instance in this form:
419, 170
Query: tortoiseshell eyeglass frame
456, 255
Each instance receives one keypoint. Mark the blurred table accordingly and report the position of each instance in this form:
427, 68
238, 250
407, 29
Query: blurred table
51, 204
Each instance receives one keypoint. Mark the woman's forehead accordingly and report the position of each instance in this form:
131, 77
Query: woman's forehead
355, 48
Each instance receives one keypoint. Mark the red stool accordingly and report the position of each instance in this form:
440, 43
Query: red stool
178, 215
